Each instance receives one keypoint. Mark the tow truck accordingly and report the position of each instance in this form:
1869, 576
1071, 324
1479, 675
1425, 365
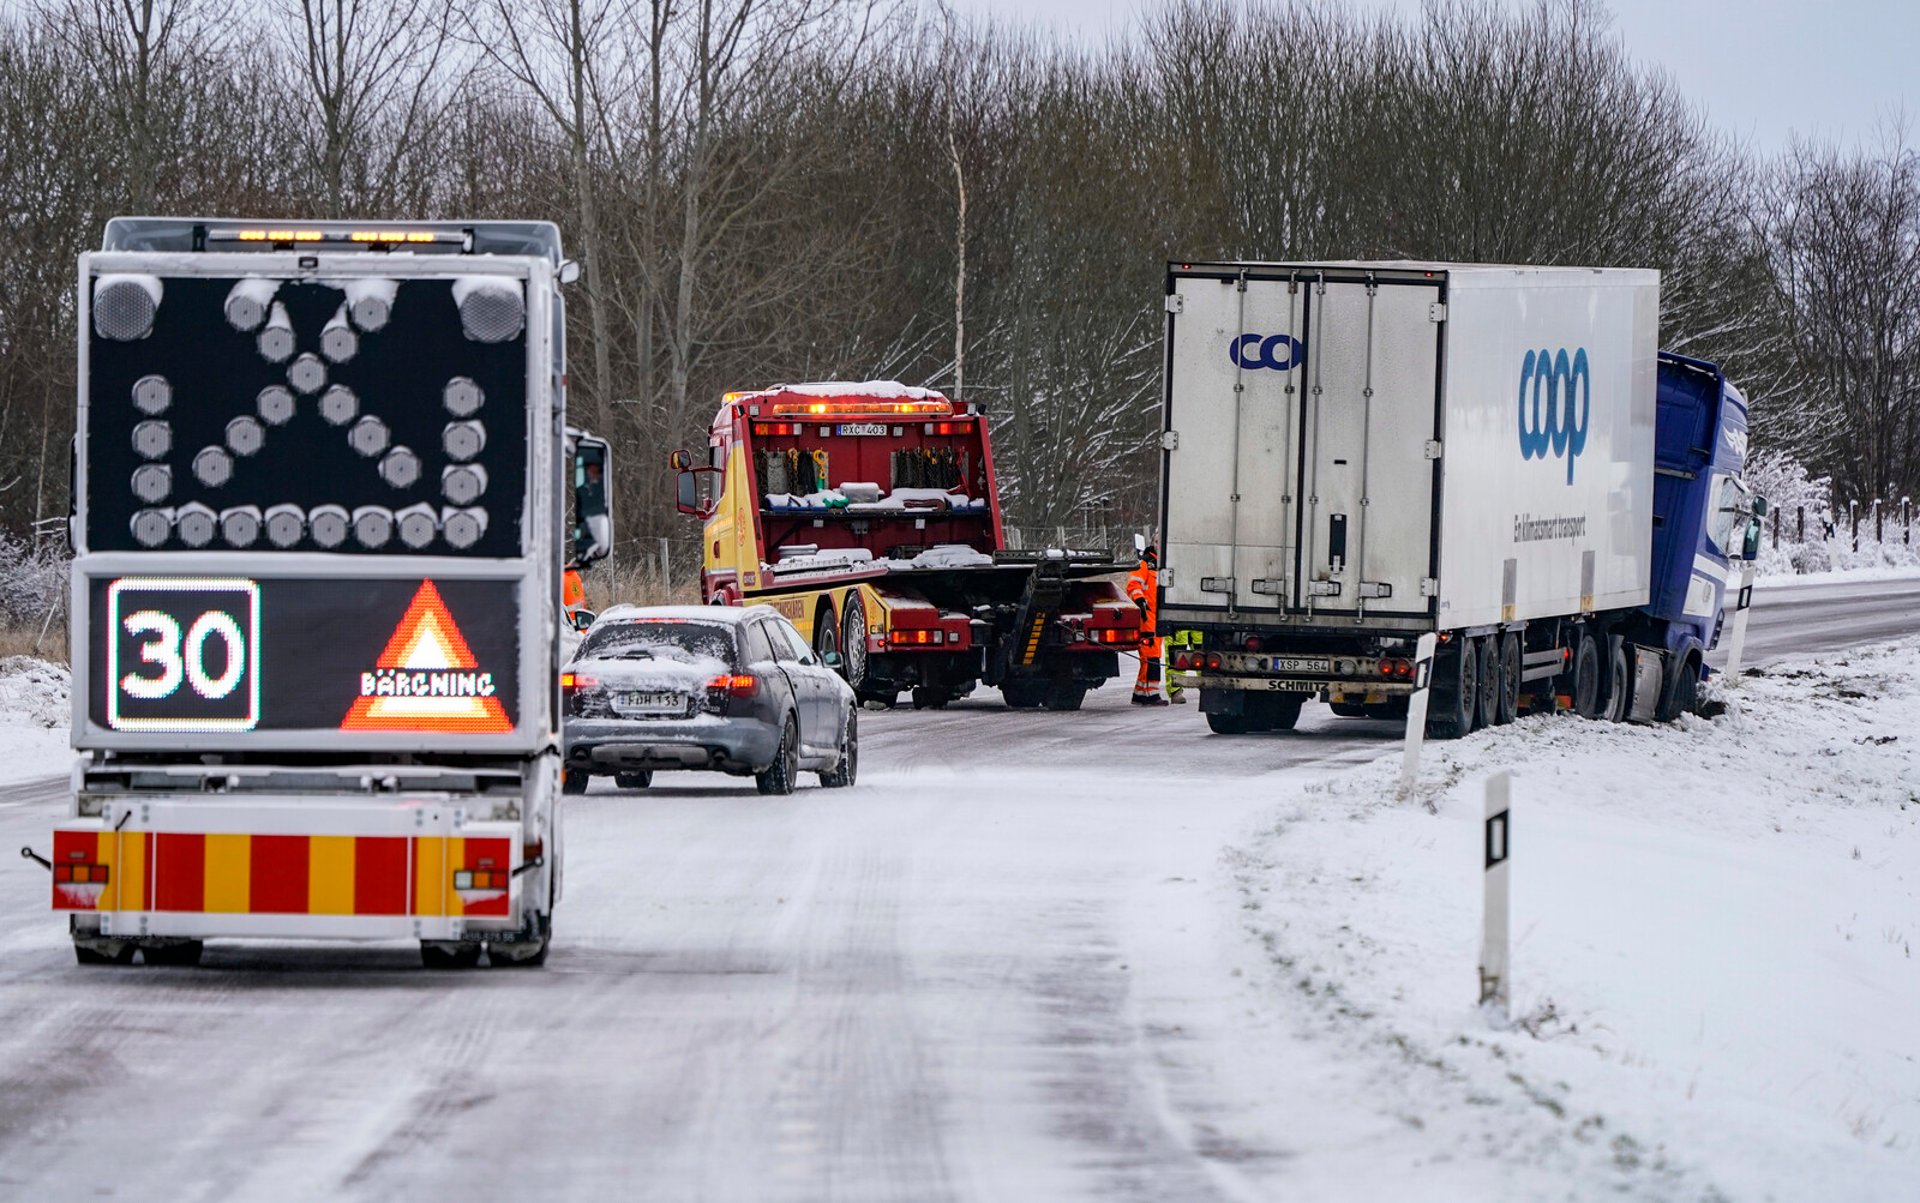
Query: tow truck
868, 515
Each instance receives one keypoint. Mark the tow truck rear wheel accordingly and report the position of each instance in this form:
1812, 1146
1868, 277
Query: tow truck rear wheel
1023, 695
826, 638
449, 954
930, 697
1064, 697
853, 642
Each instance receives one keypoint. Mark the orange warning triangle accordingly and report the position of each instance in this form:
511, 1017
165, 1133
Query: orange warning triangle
427, 649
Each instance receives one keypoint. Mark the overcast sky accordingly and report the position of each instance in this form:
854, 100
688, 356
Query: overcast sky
1764, 68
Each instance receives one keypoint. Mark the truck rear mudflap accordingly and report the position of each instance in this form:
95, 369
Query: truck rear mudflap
288, 868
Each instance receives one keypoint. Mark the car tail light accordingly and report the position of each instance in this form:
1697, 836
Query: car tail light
578, 681
734, 685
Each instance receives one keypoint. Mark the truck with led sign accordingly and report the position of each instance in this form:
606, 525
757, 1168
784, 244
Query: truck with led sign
324, 489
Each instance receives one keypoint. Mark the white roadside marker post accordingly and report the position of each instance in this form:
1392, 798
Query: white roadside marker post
1494, 952
1417, 711
1743, 604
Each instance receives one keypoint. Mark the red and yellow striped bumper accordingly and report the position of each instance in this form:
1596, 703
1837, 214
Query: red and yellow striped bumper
185, 882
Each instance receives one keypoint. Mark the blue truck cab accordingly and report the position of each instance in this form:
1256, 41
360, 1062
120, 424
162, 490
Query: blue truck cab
1706, 522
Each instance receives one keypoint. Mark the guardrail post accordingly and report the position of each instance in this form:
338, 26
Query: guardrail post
1417, 711
1495, 955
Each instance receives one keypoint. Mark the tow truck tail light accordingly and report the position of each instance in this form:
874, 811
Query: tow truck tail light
917, 637
949, 427
764, 428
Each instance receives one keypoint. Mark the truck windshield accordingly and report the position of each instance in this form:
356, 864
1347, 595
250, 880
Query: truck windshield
661, 640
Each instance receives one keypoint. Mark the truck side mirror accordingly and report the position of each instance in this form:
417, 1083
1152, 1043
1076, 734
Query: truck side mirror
1760, 507
1751, 551
1139, 544
592, 502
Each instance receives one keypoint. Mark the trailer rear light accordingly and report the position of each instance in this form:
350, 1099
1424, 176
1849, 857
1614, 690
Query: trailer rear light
81, 874
1214, 660
1253, 643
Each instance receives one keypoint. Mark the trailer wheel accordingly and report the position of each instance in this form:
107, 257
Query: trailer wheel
449, 954
174, 952
1487, 667
853, 642
1349, 709
1275, 712
1456, 688
1586, 677
1509, 704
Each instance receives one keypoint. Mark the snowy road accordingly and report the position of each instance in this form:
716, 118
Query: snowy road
1004, 966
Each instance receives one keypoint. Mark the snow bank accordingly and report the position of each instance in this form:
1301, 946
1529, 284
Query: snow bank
1715, 993
36, 704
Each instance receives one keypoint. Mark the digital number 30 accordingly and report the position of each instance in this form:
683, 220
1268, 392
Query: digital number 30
179, 658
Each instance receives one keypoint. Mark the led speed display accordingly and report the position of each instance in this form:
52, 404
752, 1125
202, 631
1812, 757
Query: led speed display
203, 654
366, 416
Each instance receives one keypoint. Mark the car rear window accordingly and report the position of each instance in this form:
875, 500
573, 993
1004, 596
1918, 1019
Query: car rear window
662, 639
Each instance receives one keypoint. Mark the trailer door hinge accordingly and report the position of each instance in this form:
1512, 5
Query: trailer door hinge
1176, 303
1375, 589
1170, 440
1323, 588
1429, 586
1433, 448
1437, 311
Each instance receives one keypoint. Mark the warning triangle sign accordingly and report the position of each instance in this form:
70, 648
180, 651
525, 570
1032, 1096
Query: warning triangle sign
427, 679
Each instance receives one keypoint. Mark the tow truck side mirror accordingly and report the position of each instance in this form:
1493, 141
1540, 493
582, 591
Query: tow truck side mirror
592, 503
693, 491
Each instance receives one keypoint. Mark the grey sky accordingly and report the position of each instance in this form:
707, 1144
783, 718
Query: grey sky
1763, 68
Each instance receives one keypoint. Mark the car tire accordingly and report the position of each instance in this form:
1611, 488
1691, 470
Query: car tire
574, 781
635, 780
843, 773
779, 776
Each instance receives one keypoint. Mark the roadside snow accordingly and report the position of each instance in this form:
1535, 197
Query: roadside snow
1715, 989
1883, 572
35, 709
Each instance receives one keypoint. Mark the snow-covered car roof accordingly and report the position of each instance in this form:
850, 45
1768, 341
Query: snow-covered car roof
719, 615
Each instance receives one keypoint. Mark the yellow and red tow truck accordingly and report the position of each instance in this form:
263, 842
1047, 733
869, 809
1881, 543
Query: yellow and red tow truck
867, 514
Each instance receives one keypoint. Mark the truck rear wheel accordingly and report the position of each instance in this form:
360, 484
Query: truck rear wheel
1023, 695
1064, 697
1683, 695
173, 952
931, 697
1227, 724
449, 954
1487, 698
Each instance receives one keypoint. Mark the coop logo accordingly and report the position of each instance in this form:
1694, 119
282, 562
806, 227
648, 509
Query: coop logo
1281, 352
1556, 405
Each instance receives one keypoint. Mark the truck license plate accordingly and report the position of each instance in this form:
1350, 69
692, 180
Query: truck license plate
1301, 664
634, 701
861, 428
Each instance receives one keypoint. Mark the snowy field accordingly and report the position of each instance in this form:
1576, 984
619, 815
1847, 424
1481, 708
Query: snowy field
1715, 992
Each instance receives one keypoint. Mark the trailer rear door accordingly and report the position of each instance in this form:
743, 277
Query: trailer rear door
1300, 416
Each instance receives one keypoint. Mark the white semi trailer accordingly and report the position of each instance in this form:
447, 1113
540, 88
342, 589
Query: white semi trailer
1355, 454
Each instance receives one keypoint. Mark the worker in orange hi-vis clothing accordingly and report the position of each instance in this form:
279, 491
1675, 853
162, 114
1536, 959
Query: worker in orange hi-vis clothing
573, 594
1143, 589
